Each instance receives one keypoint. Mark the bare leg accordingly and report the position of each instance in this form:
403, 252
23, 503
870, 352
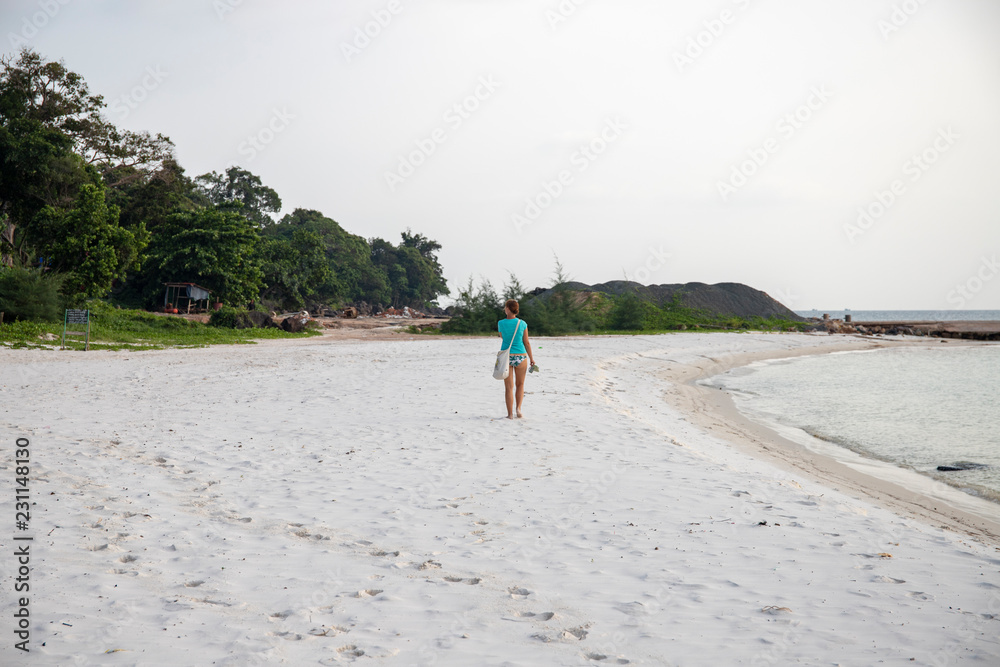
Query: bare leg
519, 374
508, 393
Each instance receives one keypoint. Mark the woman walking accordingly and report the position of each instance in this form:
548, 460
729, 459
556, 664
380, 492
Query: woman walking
520, 352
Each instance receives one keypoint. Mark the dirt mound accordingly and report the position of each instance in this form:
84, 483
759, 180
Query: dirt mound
720, 299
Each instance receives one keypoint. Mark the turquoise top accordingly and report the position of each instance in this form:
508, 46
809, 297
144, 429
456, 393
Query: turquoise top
506, 328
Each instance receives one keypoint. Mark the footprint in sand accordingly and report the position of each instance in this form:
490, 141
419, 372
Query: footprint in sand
569, 635
128, 558
331, 631
882, 579
368, 593
544, 616
920, 595
597, 657
518, 593
194, 584
472, 581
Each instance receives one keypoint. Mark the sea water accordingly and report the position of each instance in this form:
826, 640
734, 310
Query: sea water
916, 408
906, 315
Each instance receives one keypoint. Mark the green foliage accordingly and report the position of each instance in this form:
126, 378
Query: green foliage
54, 143
480, 309
228, 317
564, 311
348, 270
149, 199
213, 248
25, 333
87, 243
375, 271
629, 313
243, 191
296, 271
412, 268
137, 327
91, 200
30, 294
121, 328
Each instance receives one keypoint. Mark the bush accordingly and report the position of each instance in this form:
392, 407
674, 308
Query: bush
228, 317
31, 294
480, 309
628, 313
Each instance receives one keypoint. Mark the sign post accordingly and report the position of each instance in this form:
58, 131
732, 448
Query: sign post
76, 317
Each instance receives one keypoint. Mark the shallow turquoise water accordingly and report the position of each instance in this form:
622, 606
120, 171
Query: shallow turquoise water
914, 407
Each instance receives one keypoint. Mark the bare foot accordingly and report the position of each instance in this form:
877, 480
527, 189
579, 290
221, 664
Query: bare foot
519, 415
510, 416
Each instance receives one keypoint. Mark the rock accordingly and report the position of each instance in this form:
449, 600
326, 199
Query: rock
962, 465
260, 320
350, 312
293, 324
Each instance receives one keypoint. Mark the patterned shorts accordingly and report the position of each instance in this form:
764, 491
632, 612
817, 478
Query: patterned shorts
517, 359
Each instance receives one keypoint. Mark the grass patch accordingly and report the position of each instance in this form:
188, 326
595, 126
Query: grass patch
125, 329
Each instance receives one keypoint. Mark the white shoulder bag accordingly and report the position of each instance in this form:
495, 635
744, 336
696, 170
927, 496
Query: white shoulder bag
502, 368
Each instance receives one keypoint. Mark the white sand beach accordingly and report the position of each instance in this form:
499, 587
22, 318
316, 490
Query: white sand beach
327, 502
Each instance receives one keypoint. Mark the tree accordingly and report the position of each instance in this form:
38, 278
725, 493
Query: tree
153, 198
53, 140
87, 244
58, 99
296, 271
412, 268
215, 248
30, 293
354, 277
239, 187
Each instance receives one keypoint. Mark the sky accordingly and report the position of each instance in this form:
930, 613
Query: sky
835, 154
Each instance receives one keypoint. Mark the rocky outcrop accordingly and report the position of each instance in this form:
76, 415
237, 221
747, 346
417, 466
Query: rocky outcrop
970, 330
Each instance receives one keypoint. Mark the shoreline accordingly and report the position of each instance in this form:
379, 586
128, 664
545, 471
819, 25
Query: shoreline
933, 503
